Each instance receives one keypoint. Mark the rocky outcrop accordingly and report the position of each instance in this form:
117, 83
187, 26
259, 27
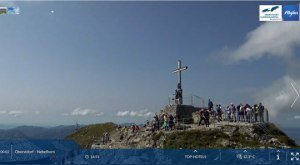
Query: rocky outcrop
218, 135
183, 113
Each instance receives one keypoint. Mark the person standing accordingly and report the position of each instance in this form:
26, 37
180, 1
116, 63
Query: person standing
171, 122
241, 113
133, 128
238, 107
233, 112
228, 112
248, 114
103, 138
202, 118
261, 110
256, 112
166, 123
210, 105
206, 115
107, 138
219, 113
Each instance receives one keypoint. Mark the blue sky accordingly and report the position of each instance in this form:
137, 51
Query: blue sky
111, 61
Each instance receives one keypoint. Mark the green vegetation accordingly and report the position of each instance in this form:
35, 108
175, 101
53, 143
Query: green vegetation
195, 139
272, 131
237, 138
157, 136
86, 136
229, 136
244, 140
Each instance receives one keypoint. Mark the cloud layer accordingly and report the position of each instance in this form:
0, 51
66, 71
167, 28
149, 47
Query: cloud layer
279, 96
270, 39
14, 113
273, 39
83, 112
141, 113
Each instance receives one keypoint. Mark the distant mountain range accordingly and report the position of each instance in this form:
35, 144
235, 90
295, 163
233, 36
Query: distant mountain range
35, 132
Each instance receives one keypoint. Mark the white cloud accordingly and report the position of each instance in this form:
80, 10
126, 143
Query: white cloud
270, 39
15, 113
279, 96
123, 113
83, 112
7, 3
273, 39
65, 114
296, 117
100, 114
141, 113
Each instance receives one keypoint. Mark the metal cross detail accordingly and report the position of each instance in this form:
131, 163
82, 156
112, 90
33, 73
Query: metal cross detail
179, 85
179, 70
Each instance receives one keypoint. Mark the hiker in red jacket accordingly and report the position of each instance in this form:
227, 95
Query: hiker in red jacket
202, 118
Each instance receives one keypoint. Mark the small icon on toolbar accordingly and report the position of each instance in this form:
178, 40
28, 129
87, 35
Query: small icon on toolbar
295, 156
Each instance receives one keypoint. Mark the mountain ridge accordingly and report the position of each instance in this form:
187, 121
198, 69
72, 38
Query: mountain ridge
218, 135
37, 132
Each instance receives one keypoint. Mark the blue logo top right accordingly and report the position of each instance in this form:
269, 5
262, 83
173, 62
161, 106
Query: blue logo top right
290, 13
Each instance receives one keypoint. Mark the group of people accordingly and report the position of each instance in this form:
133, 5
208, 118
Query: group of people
239, 113
105, 138
164, 121
232, 113
135, 128
204, 115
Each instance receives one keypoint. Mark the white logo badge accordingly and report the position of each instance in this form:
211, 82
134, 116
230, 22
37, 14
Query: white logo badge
270, 12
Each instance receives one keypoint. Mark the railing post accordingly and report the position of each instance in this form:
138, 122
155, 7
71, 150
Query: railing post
267, 115
250, 116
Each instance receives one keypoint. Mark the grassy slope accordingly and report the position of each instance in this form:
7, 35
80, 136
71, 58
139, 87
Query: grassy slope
87, 135
214, 138
194, 139
273, 130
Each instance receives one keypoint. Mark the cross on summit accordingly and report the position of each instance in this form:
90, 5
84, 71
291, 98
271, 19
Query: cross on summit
178, 91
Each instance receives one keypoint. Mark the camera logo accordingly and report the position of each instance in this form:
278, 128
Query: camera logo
270, 12
3, 10
291, 13
9, 10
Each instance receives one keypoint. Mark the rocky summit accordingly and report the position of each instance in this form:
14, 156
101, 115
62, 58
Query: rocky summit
186, 136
